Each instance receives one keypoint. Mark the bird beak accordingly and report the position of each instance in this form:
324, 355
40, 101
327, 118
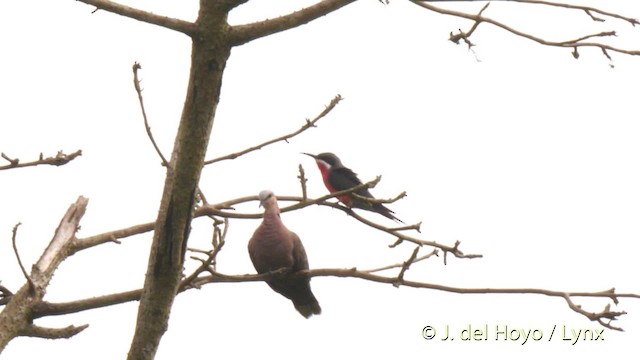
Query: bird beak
313, 156
261, 204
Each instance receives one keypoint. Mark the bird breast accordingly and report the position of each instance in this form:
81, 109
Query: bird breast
273, 248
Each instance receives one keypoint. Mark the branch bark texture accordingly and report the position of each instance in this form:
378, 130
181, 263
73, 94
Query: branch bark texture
17, 316
210, 51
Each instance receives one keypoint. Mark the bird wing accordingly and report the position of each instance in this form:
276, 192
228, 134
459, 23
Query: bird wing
343, 178
300, 261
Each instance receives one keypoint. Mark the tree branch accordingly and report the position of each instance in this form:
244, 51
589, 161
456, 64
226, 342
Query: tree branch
52, 333
572, 44
46, 309
17, 315
15, 251
58, 160
308, 124
587, 9
300, 202
405, 266
136, 85
242, 34
354, 273
182, 26
600, 316
402, 264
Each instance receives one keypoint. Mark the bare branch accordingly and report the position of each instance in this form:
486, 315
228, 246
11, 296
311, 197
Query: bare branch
62, 241
182, 26
45, 309
216, 209
415, 227
465, 35
354, 273
300, 202
600, 316
17, 316
572, 44
111, 236
136, 84
587, 9
242, 34
58, 160
303, 182
308, 124
15, 251
405, 267
400, 265
52, 333
380, 201
208, 264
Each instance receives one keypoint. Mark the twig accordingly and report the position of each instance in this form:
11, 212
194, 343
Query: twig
136, 85
165, 162
465, 35
303, 182
587, 9
599, 317
11, 161
15, 251
389, 267
405, 267
308, 124
379, 201
415, 227
58, 160
209, 264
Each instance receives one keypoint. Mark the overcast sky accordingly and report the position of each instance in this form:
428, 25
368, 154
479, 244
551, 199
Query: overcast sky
523, 153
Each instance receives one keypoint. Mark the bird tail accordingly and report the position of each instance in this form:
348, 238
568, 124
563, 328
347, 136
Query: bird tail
373, 206
308, 309
386, 212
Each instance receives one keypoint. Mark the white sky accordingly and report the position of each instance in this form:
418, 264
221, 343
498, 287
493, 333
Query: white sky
527, 156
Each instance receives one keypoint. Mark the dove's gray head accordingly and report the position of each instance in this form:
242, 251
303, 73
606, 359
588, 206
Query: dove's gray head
265, 195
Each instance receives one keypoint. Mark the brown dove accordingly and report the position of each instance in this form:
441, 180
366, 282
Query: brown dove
274, 247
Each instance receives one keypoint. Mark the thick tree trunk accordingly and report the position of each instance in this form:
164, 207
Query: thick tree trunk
210, 51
